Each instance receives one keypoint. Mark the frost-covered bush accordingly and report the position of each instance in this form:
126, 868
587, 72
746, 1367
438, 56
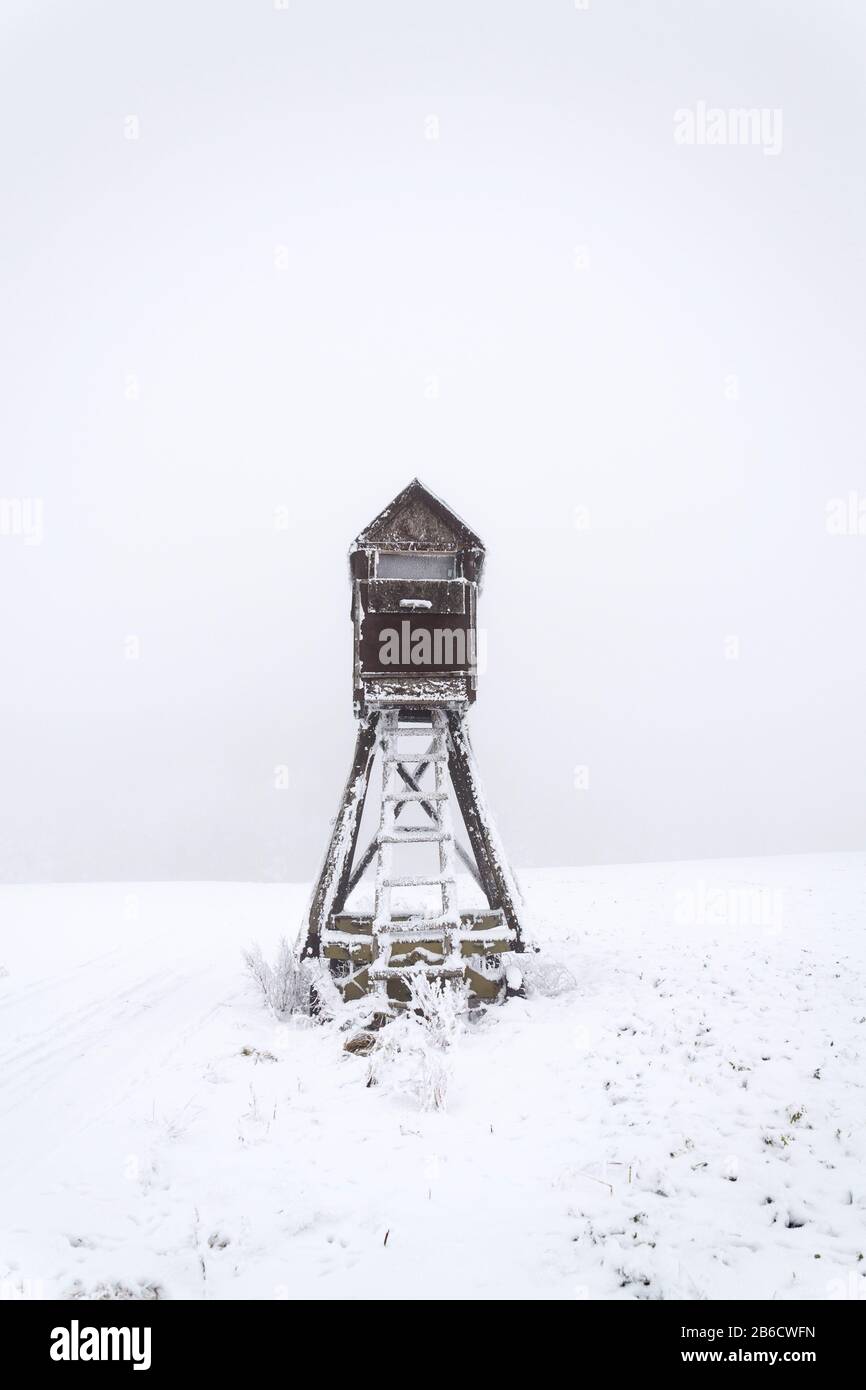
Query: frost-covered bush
413, 1053
285, 985
441, 1006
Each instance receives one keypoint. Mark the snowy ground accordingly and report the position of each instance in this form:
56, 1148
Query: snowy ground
687, 1121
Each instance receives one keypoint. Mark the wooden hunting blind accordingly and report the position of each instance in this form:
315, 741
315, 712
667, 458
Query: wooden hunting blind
416, 573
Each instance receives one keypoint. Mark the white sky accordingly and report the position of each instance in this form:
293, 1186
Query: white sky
277, 268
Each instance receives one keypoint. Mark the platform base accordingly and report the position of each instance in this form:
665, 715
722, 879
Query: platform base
360, 963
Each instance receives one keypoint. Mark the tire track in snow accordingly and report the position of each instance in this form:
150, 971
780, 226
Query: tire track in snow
94, 1072
50, 1052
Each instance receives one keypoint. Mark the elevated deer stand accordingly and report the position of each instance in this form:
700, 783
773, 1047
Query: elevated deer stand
416, 572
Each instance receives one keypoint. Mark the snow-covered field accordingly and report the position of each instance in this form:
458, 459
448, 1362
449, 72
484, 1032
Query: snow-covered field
685, 1121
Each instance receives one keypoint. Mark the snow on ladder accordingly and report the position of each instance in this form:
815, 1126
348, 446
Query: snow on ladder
418, 926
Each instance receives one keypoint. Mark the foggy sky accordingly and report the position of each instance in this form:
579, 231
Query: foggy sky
261, 266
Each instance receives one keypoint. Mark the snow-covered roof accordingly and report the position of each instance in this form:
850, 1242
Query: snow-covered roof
416, 519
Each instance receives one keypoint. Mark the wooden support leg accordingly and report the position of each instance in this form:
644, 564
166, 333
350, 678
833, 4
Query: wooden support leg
496, 874
362, 865
334, 875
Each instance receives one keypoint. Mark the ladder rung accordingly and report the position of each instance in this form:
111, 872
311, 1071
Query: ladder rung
388, 972
416, 837
421, 929
416, 757
431, 925
408, 795
416, 731
400, 937
412, 881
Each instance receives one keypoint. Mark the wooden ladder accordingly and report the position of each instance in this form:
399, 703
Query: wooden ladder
418, 927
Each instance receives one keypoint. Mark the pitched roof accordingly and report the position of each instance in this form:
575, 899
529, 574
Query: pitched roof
417, 519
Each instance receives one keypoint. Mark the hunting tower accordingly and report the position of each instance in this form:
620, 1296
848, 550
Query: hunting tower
416, 575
